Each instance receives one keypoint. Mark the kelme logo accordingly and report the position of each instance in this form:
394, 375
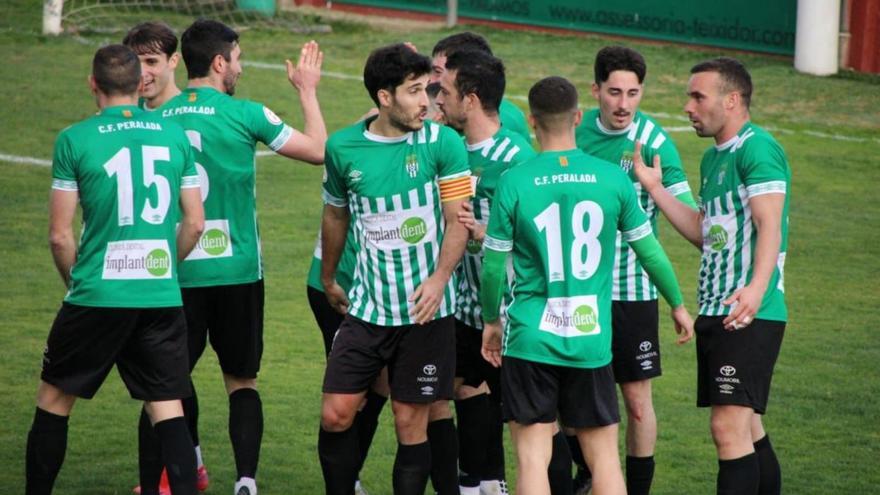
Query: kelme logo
584, 318
214, 242
717, 237
413, 230
158, 262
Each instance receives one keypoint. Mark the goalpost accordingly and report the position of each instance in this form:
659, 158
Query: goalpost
111, 16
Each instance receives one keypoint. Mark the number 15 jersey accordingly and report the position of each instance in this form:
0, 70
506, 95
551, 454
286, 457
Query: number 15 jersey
559, 214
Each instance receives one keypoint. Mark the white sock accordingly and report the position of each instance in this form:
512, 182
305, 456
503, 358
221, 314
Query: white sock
469, 490
248, 482
493, 487
199, 461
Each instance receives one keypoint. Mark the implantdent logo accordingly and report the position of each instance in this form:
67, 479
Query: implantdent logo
584, 318
717, 237
158, 262
413, 229
214, 242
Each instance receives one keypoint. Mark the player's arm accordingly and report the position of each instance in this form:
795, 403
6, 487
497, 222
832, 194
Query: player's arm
686, 220
429, 294
62, 208
653, 258
308, 145
767, 219
334, 226
192, 221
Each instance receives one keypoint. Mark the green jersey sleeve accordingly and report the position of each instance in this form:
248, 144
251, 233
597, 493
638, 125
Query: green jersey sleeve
335, 189
452, 159
674, 179
633, 223
499, 233
763, 166
265, 126
64, 164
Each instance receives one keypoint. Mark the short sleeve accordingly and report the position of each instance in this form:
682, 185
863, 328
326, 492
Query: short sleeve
335, 189
266, 126
64, 176
633, 223
763, 167
453, 170
190, 178
499, 233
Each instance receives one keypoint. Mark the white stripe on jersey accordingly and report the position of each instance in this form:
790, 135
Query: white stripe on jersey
646, 132
634, 128
500, 149
771, 187
615, 285
747, 234
658, 141
678, 188
65, 185
435, 132
510, 154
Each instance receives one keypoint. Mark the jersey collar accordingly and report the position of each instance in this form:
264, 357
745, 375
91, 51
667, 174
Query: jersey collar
125, 111
613, 132
486, 143
382, 139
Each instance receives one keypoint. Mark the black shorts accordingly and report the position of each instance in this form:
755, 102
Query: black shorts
634, 340
533, 393
735, 367
469, 362
420, 359
148, 346
232, 316
327, 318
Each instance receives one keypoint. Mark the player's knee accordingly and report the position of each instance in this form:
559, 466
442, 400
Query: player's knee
335, 418
439, 410
726, 433
637, 399
533, 459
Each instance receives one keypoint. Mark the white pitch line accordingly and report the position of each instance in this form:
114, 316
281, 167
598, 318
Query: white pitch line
29, 160
265, 65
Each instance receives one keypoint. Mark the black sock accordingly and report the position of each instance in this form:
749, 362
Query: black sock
473, 431
444, 456
771, 475
46, 444
149, 456
178, 455
559, 470
412, 465
366, 422
246, 430
494, 467
191, 413
340, 458
738, 476
639, 475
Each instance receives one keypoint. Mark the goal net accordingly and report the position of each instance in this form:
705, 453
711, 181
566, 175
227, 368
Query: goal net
113, 16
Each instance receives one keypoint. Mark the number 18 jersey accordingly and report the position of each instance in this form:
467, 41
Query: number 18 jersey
559, 215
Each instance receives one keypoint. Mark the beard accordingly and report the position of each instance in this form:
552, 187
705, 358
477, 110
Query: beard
229, 81
407, 123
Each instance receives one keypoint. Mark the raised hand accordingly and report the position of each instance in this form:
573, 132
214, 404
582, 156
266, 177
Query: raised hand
307, 73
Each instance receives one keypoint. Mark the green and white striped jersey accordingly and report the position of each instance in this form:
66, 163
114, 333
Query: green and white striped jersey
128, 169
488, 160
393, 188
748, 165
224, 133
559, 214
631, 282
344, 270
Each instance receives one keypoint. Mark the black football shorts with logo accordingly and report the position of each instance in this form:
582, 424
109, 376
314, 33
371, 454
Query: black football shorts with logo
635, 343
420, 359
735, 367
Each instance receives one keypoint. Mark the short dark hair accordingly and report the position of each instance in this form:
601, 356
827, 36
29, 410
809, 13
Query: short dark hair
389, 66
151, 37
461, 41
553, 102
204, 40
478, 73
612, 58
117, 70
734, 76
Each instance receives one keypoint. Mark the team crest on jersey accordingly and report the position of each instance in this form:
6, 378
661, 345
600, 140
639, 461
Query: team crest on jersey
192, 97
271, 117
722, 172
563, 161
626, 161
412, 165
127, 114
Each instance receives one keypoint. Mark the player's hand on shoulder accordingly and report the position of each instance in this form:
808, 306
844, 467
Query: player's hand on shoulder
684, 324
307, 72
649, 177
337, 298
491, 349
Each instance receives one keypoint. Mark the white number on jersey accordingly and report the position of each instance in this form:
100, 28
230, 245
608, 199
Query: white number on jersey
586, 251
120, 166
